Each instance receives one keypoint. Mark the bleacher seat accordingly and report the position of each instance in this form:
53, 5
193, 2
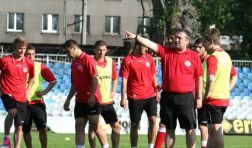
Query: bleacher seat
245, 69
67, 66
238, 69
58, 65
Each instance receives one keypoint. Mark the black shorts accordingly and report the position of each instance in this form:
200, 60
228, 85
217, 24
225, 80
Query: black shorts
215, 114
108, 113
10, 103
179, 106
136, 108
82, 110
202, 115
37, 113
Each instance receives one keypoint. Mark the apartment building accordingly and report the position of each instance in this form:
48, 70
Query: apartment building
55, 21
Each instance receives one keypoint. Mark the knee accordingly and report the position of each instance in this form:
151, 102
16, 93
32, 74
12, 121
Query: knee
116, 128
42, 130
134, 125
12, 112
152, 122
190, 132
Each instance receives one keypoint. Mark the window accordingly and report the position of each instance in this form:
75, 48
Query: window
112, 24
78, 24
50, 23
143, 24
15, 22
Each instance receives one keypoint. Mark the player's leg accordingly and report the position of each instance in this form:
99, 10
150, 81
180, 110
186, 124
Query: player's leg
151, 109
202, 123
168, 117
216, 139
39, 116
186, 115
91, 136
80, 114
94, 119
27, 128
160, 138
135, 110
18, 122
11, 108
110, 117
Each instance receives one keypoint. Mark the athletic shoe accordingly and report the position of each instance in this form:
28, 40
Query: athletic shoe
6, 142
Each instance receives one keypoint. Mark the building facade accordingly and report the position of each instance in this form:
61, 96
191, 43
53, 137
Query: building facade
55, 21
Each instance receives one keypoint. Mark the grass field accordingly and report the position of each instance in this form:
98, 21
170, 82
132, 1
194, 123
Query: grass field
67, 141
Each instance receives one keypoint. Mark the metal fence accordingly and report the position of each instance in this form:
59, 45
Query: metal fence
58, 58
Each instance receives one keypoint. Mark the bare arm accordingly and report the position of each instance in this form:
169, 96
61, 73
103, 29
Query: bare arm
69, 97
94, 84
47, 89
123, 92
29, 85
114, 85
209, 85
156, 88
148, 43
198, 91
233, 80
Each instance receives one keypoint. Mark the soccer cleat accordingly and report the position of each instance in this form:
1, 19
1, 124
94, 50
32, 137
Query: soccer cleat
6, 142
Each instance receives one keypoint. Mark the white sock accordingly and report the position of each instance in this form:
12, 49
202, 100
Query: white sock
204, 143
80, 146
162, 129
151, 145
105, 146
133, 147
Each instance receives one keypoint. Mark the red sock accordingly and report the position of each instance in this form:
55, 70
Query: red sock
160, 138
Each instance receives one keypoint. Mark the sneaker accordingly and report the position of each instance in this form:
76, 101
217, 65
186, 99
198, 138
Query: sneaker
6, 142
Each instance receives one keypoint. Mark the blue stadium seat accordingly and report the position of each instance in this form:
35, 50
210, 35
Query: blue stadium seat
242, 75
238, 69
58, 65
67, 66
242, 85
249, 76
1, 105
246, 69
49, 65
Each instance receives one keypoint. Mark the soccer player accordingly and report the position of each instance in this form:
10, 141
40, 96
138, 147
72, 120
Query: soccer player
181, 77
15, 89
106, 76
138, 74
88, 96
200, 45
36, 109
220, 80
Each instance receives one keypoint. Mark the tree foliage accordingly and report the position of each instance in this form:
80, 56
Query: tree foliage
231, 17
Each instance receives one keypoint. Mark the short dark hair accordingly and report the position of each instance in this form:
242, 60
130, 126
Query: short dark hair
70, 44
187, 33
30, 47
200, 41
100, 43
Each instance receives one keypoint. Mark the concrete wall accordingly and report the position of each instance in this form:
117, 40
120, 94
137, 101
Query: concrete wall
128, 10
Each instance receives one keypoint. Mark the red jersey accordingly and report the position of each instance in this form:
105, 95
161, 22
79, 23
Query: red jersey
14, 76
179, 69
103, 64
139, 71
82, 71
